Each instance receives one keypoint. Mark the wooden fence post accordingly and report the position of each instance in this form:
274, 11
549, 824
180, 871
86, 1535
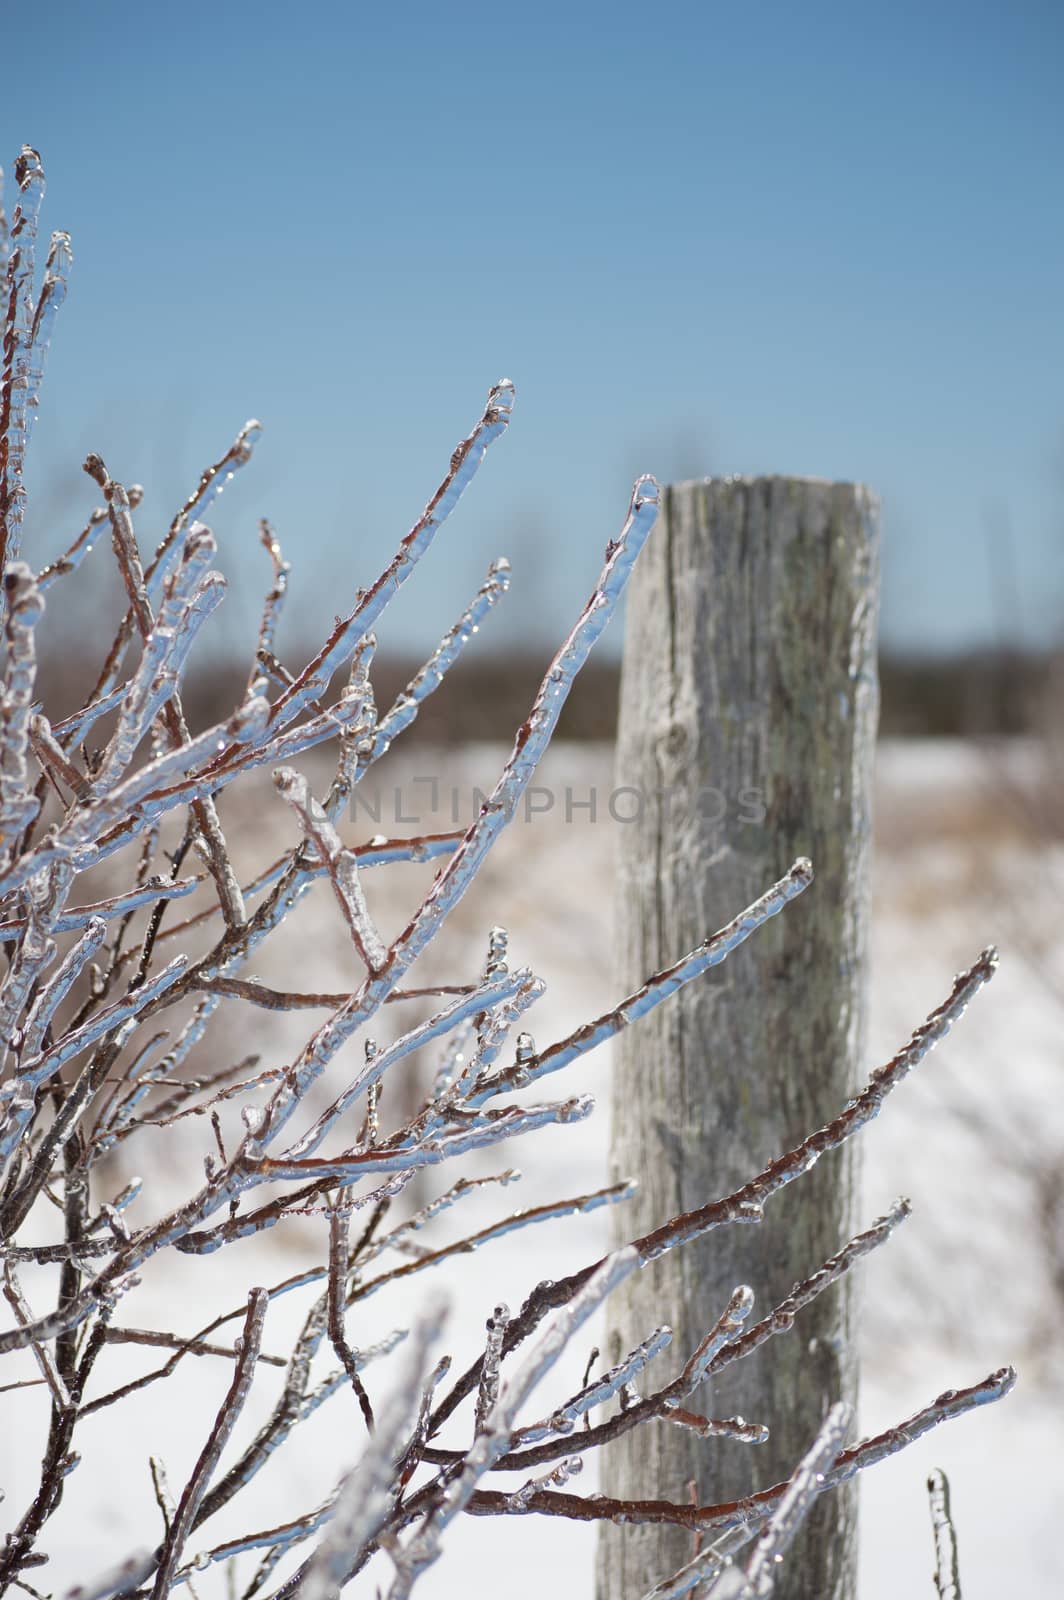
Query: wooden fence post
749, 703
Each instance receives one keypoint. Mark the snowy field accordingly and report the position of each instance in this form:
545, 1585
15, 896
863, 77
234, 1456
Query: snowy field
976, 1139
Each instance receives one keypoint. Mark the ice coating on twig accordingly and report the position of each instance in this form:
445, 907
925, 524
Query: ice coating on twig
346, 635
493, 1434
705, 1566
781, 1318
341, 864
365, 1499
53, 293
488, 1393
722, 1333
22, 612
272, 606
657, 989
796, 1502
431, 675
18, 315
232, 1405
213, 483
947, 1571
82, 546
601, 1389
128, 1574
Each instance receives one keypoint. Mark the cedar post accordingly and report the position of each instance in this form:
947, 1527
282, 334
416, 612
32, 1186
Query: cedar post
749, 703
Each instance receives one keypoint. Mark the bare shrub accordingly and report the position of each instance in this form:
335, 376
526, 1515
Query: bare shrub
112, 829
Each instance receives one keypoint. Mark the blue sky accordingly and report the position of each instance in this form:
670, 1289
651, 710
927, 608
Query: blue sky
824, 239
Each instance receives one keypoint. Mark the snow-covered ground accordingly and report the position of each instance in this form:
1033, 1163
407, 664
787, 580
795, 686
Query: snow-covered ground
976, 1139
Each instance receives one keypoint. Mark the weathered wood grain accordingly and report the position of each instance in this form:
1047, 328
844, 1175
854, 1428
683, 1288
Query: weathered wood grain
748, 714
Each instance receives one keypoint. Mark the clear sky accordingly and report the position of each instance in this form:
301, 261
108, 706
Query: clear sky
739, 237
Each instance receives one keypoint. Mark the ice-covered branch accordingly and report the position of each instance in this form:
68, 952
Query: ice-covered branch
745, 1204
347, 634
366, 1497
18, 314
232, 1405
947, 1572
271, 610
22, 612
795, 1502
656, 990
341, 865
753, 1509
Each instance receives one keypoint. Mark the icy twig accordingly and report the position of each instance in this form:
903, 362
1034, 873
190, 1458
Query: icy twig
116, 905
341, 864
427, 681
292, 1203
497, 1230
23, 609
286, 1000
597, 1393
41, 1353
753, 1509
82, 546
366, 1497
745, 1204
855, 1115
465, 460
724, 1330
232, 1405
781, 1318
53, 759
53, 293
338, 1266
414, 1451
183, 608
736, 1428
211, 484
656, 990
171, 1341
796, 1501
128, 1574
488, 1392
272, 605
275, 1541
18, 312
494, 1435
704, 1567
51, 995
947, 1572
